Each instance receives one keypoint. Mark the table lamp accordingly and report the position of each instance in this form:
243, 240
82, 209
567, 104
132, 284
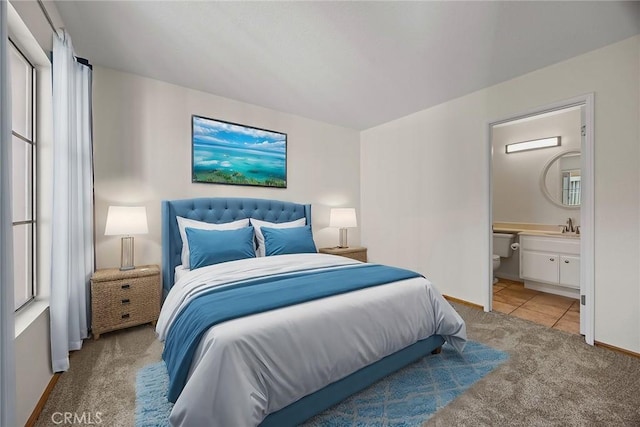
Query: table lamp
125, 221
343, 218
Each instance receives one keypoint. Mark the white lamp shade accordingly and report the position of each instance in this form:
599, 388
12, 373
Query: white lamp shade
126, 220
343, 218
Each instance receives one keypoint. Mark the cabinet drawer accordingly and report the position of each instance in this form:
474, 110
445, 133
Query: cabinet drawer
539, 266
123, 316
550, 244
116, 289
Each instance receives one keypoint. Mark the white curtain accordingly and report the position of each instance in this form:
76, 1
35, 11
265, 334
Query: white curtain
72, 248
7, 331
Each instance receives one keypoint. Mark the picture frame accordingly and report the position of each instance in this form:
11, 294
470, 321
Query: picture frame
230, 153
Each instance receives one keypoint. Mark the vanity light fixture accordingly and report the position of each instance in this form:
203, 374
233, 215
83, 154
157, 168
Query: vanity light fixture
533, 145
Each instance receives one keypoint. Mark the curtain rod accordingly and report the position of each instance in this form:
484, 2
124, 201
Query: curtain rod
82, 61
46, 15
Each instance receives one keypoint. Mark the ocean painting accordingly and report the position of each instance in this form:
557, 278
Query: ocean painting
229, 153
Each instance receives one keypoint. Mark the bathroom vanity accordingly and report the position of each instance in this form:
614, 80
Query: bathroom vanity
551, 263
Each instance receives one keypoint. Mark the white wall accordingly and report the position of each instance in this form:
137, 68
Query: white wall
517, 196
142, 149
33, 366
425, 191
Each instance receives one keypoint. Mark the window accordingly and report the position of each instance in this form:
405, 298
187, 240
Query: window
571, 187
24, 151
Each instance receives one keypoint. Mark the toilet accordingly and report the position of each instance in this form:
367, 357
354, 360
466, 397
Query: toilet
501, 249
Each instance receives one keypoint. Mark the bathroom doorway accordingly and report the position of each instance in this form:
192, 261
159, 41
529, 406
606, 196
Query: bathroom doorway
541, 202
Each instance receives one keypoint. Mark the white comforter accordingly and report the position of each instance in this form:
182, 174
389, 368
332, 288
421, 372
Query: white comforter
247, 368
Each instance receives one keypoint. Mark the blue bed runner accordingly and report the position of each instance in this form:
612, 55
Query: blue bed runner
256, 296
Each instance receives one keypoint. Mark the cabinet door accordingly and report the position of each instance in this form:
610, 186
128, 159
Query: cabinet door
570, 271
539, 266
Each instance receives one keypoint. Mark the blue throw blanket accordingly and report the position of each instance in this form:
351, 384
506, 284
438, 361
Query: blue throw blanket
253, 296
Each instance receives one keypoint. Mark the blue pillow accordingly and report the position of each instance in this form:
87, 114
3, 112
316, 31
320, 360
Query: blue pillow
207, 247
281, 241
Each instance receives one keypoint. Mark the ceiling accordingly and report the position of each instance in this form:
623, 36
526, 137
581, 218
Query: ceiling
354, 64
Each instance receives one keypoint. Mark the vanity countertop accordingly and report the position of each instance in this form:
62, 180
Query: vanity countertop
522, 227
550, 234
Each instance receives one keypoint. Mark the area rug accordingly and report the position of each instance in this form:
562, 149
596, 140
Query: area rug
408, 397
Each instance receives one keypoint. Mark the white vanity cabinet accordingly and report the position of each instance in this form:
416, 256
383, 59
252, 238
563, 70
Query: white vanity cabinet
551, 264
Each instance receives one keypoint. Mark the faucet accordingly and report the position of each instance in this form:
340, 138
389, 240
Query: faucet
569, 227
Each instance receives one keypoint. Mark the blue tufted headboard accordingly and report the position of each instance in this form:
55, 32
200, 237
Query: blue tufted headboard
217, 210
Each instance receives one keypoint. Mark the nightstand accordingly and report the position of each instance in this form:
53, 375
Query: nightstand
354, 252
121, 299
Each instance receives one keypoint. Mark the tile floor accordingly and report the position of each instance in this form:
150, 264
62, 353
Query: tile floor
551, 310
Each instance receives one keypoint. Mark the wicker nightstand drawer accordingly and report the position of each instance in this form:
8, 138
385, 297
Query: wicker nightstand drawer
356, 252
120, 299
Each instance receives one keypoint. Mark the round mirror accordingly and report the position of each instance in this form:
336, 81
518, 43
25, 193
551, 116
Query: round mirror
560, 180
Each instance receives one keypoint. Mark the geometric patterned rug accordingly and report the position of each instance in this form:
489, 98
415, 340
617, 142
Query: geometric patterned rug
408, 397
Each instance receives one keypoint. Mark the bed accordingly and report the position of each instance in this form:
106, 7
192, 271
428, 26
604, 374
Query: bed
281, 366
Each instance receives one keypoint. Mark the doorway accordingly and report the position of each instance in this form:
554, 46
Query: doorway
571, 165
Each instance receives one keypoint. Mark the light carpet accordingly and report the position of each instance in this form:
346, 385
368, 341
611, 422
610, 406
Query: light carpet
406, 398
552, 378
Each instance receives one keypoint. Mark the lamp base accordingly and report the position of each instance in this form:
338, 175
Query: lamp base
126, 254
343, 238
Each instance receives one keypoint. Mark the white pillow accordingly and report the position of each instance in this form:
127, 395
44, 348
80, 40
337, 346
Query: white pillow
179, 272
256, 223
184, 223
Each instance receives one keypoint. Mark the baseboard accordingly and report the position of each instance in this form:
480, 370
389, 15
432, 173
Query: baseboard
43, 400
552, 289
617, 349
507, 276
463, 302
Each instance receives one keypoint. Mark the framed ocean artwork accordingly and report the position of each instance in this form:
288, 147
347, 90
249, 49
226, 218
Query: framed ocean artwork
231, 153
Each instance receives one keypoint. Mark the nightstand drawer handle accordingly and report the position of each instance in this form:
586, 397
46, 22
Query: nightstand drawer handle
125, 316
127, 286
125, 301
